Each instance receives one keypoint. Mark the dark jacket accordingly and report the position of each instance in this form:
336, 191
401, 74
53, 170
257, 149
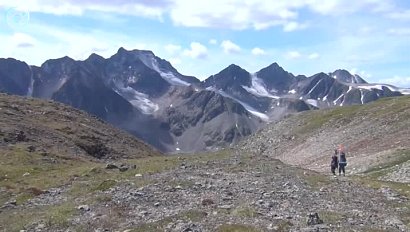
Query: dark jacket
334, 162
342, 159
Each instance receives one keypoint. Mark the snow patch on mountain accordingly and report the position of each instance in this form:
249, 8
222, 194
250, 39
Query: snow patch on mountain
61, 82
403, 91
172, 79
337, 99
293, 91
151, 61
315, 86
357, 79
370, 87
31, 87
312, 102
137, 99
249, 108
257, 88
132, 80
362, 96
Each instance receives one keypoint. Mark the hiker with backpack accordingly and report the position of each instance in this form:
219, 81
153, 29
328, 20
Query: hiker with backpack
342, 162
334, 163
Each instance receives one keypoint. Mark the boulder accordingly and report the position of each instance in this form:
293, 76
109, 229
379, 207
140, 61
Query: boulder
314, 219
111, 166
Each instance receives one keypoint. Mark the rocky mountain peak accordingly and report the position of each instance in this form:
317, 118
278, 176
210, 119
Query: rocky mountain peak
231, 76
95, 57
345, 76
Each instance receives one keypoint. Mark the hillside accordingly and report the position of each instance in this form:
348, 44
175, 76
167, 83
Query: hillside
373, 134
52, 128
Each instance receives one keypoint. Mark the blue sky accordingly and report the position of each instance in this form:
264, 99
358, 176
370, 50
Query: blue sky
200, 38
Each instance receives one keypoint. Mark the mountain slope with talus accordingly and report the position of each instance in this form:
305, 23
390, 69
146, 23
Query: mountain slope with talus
373, 135
57, 129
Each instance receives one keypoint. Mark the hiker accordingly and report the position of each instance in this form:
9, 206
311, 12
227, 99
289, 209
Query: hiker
334, 163
342, 162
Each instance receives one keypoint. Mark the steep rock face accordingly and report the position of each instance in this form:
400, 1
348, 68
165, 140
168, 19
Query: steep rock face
236, 83
52, 75
15, 77
231, 77
88, 93
323, 91
344, 76
206, 120
126, 69
276, 78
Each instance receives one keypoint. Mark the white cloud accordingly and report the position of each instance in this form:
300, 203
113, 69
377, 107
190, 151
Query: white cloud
292, 55
172, 48
258, 51
230, 47
399, 15
151, 9
262, 14
256, 14
313, 56
403, 31
43, 42
361, 73
293, 26
21, 40
197, 50
340, 7
175, 61
213, 41
398, 81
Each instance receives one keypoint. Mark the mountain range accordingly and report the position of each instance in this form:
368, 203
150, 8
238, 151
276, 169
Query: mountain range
145, 95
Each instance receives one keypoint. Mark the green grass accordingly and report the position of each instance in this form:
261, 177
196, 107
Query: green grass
282, 225
59, 216
85, 181
316, 180
246, 212
190, 215
55, 216
316, 119
396, 158
237, 228
382, 108
331, 217
105, 185
42, 174
403, 189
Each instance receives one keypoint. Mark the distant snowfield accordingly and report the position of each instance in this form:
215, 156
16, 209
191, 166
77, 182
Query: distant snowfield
150, 61
258, 88
380, 87
137, 99
312, 102
31, 87
405, 91
249, 108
